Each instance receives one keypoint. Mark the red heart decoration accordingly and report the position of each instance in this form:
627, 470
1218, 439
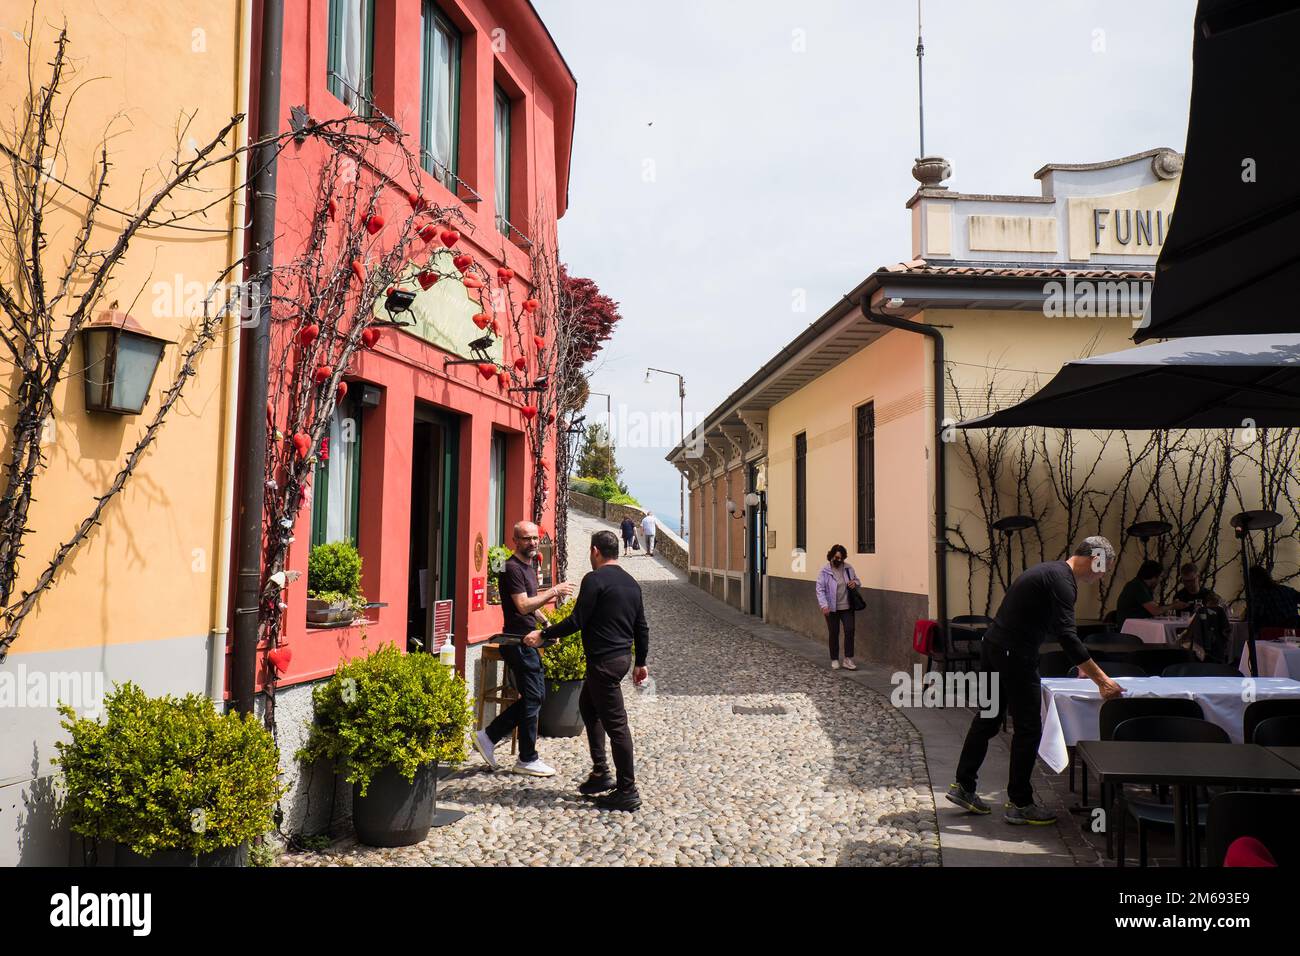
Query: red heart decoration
323, 372
502, 380
487, 369
539, 342
359, 270
462, 262
482, 320
426, 278
529, 412
302, 443
531, 305
374, 224
342, 390
450, 237
280, 657
333, 208
472, 282
417, 201
308, 334
505, 275
521, 363
429, 233
369, 337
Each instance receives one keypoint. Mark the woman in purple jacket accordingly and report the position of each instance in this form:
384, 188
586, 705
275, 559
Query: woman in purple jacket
834, 582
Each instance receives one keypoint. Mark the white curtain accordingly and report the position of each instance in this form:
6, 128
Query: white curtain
503, 160
341, 467
354, 24
438, 124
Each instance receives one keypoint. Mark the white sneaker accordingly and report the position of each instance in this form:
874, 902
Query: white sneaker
849, 665
534, 768
485, 747
835, 665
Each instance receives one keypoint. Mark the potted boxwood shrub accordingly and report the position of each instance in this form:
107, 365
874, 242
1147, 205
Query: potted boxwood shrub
497, 558
387, 720
564, 665
334, 584
169, 780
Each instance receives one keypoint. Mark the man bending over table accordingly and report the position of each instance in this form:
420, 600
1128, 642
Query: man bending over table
1038, 607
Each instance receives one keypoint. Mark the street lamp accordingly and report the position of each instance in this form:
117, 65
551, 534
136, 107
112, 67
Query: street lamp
681, 398
609, 429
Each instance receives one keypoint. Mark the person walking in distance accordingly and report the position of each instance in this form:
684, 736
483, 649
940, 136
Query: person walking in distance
648, 529
834, 582
520, 602
628, 528
1038, 607
610, 614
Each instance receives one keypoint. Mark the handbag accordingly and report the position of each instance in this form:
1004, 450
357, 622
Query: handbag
636, 545
856, 601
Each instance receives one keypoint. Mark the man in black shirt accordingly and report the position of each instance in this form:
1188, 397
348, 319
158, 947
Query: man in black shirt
611, 616
519, 604
1038, 607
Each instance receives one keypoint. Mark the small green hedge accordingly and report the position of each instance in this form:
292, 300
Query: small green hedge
389, 709
564, 660
162, 773
606, 489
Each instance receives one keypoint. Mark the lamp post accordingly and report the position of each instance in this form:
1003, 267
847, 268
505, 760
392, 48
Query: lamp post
609, 429
681, 399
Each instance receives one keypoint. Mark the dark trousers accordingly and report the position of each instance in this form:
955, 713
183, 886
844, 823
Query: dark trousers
601, 706
833, 621
1017, 689
525, 665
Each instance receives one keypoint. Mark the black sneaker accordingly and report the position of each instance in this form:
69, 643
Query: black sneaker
1031, 815
597, 783
968, 800
628, 800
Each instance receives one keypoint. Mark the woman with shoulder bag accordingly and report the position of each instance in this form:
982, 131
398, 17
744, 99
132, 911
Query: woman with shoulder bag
837, 594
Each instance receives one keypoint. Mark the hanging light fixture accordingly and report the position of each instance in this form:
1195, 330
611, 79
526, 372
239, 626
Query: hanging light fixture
121, 360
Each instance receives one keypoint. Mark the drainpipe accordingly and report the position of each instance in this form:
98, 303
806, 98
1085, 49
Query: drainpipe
940, 473
256, 359
238, 236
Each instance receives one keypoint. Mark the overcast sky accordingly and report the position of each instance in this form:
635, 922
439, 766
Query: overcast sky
729, 154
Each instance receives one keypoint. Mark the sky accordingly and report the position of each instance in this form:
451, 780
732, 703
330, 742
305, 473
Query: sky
739, 166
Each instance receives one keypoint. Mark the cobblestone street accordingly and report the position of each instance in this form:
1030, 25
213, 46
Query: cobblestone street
838, 779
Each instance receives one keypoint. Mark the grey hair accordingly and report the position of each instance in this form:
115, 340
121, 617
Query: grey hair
1095, 546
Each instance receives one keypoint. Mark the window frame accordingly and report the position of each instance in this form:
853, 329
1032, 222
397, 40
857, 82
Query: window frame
801, 491
431, 17
334, 80
503, 106
351, 408
864, 453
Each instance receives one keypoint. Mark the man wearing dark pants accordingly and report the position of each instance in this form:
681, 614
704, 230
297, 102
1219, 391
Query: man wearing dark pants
1038, 607
519, 604
611, 616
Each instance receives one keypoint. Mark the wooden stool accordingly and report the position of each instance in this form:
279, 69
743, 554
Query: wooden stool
502, 694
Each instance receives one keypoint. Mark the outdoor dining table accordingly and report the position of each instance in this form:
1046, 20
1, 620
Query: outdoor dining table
1164, 630
1184, 767
1290, 754
1276, 659
1099, 650
1071, 706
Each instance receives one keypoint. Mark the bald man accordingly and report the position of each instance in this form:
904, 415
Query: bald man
520, 602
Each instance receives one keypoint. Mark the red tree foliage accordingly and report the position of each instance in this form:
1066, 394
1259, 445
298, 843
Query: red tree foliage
596, 314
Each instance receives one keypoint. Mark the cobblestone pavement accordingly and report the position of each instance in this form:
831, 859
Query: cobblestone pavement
838, 779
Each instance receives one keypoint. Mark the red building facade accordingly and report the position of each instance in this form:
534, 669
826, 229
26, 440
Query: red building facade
429, 465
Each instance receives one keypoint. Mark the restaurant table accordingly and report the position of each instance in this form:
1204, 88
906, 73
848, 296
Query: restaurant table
1275, 658
1290, 754
1100, 651
1183, 766
1164, 630
1071, 706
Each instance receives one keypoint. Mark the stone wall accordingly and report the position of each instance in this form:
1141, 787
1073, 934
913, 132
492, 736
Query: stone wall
667, 543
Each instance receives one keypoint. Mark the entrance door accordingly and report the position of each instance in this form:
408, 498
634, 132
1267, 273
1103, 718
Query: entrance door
435, 464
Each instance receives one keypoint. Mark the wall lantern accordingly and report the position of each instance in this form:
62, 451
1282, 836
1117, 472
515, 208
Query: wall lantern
121, 359
753, 499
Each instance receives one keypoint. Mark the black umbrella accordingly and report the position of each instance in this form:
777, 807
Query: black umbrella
1221, 381
1231, 260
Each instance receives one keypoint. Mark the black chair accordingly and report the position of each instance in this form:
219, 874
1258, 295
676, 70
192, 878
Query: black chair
1199, 669
1110, 618
1116, 669
1161, 730
1115, 712
1054, 664
1114, 637
1278, 732
1262, 710
1268, 817
1154, 659
943, 651
968, 633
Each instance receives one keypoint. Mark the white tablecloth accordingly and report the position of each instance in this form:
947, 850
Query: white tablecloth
1275, 658
1164, 630
1071, 706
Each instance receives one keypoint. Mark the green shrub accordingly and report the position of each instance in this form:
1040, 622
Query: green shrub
334, 568
565, 659
162, 773
583, 486
606, 489
498, 555
389, 709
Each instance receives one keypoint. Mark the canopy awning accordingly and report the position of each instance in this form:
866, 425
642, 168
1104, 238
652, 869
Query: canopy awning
1231, 262
1222, 381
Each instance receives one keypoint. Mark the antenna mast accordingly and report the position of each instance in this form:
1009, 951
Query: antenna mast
920, 83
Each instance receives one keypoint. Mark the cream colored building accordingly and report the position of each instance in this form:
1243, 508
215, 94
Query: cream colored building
834, 441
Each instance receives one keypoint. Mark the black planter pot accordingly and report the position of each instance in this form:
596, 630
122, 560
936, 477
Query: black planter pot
229, 856
396, 812
559, 716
